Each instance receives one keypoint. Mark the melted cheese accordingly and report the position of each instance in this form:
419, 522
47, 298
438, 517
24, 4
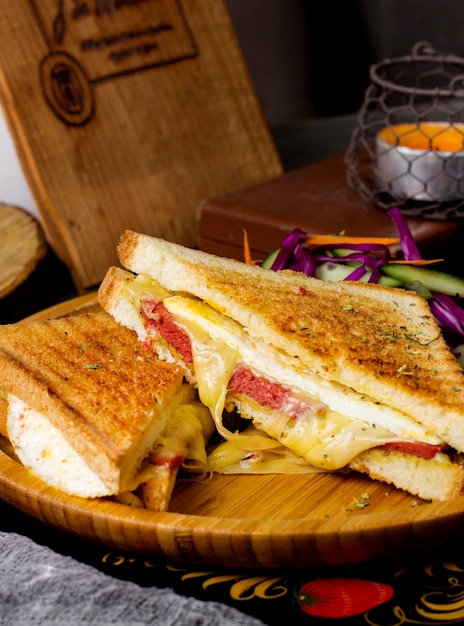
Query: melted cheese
183, 441
341, 424
228, 458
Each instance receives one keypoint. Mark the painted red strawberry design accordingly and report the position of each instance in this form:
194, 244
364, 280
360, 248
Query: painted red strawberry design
341, 597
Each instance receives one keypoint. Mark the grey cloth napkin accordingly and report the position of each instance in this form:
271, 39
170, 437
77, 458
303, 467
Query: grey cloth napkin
41, 587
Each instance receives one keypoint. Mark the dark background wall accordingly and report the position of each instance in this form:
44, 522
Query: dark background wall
312, 57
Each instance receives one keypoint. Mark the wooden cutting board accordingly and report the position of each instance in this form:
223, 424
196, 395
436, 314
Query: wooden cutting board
127, 115
252, 521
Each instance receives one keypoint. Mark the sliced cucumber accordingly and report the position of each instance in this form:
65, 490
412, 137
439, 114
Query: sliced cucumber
335, 272
390, 282
340, 252
419, 289
269, 260
432, 280
459, 353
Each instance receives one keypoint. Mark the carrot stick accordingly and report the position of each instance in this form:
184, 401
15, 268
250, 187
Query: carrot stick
326, 240
246, 250
416, 261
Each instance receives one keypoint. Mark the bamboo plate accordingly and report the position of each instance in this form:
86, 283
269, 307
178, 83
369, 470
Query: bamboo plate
247, 521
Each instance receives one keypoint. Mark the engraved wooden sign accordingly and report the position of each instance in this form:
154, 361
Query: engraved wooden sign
127, 114
84, 51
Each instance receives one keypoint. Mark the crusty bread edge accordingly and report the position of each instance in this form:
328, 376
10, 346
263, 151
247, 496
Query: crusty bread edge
436, 479
113, 299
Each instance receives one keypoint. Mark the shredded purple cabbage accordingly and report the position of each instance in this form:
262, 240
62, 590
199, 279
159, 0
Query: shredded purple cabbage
407, 243
286, 257
448, 313
303, 261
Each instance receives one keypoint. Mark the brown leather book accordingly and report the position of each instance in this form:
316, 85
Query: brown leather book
315, 198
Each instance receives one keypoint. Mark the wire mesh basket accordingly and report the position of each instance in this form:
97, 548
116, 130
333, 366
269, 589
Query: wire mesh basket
407, 149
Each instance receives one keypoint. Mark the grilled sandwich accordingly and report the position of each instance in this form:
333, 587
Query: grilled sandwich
325, 376
87, 408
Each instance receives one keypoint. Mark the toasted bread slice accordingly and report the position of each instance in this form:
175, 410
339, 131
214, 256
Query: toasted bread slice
381, 342
93, 382
370, 348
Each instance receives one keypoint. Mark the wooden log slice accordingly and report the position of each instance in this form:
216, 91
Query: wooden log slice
22, 246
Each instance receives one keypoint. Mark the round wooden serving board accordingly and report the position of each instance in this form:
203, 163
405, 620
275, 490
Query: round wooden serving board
243, 520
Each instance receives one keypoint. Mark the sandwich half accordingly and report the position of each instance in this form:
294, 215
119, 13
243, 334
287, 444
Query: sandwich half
85, 405
325, 376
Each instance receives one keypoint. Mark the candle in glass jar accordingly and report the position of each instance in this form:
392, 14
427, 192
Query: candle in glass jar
422, 161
